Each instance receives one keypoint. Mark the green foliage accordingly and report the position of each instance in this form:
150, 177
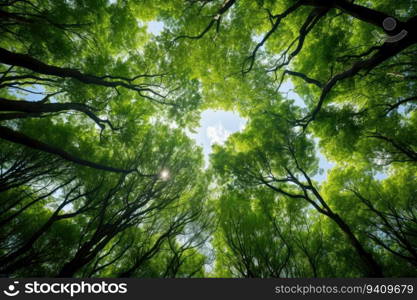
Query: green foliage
98, 177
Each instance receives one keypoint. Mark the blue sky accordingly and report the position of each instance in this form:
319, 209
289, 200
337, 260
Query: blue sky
215, 128
217, 125
155, 27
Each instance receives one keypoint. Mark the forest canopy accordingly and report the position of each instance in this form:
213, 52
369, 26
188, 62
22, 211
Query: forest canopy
100, 176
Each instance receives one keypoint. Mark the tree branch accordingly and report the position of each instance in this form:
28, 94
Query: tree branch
216, 19
28, 62
22, 139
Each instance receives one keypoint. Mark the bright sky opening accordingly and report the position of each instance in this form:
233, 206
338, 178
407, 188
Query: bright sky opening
215, 127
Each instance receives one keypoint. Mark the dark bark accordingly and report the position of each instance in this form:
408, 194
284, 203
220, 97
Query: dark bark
302, 76
22, 139
85, 255
362, 13
216, 19
26, 61
21, 207
36, 109
403, 149
313, 196
372, 266
12, 261
148, 254
385, 52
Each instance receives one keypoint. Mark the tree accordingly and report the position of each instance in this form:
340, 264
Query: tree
384, 209
264, 236
281, 159
109, 212
82, 75
99, 176
267, 36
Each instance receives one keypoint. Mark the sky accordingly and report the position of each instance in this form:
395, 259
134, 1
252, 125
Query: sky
155, 27
217, 125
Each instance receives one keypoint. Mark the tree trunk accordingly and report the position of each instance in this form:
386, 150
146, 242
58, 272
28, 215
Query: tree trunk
372, 266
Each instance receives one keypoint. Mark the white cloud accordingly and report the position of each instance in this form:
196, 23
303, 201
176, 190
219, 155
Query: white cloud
217, 134
155, 27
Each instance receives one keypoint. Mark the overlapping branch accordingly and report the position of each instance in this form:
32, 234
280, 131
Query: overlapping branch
22, 139
215, 20
26, 61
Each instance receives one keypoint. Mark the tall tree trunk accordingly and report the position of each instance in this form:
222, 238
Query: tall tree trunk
373, 267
